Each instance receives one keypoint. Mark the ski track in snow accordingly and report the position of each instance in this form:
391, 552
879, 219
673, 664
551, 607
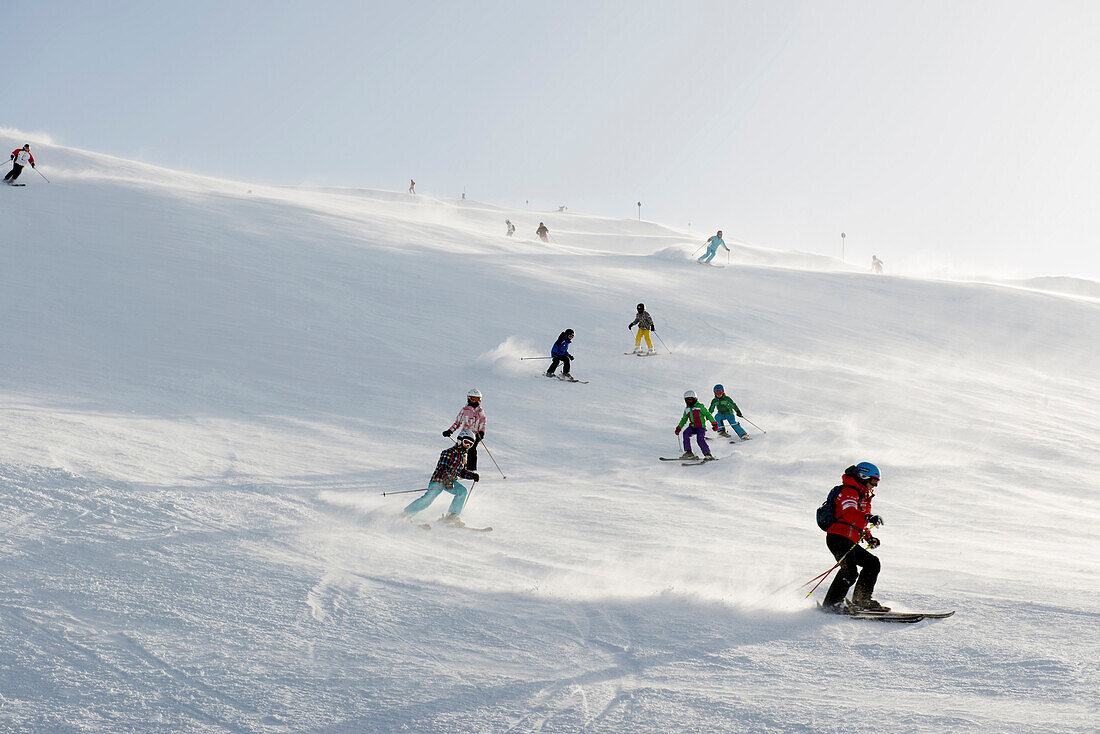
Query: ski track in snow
209, 384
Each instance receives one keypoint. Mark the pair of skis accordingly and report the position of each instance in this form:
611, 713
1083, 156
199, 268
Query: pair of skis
898, 617
566, 378
689, 461
427, 526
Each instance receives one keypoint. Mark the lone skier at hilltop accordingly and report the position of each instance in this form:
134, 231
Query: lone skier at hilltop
713, 243
20, 157
876, 264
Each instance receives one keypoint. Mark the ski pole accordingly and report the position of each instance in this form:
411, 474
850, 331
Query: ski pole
469, 495
756, 426
523, 358
825, 575
700, 248
661, 340
404, 491
494, 460
41, 174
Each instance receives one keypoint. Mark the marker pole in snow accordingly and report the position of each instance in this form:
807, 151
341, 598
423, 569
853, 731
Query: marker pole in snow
756, 426
661, 340
405, 491
494, 460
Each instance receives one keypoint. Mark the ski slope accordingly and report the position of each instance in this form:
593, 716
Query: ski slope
207, 384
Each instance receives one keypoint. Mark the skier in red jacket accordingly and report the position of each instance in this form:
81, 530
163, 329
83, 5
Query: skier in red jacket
853, 515
20, 157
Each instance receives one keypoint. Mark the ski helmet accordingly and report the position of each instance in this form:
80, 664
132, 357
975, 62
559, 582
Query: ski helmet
466, 435
26, 146
474, 393
866, 471
541, 224
641, 307
719, 388
689, 394
569, 332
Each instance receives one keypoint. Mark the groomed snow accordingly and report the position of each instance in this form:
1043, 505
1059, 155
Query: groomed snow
207, 384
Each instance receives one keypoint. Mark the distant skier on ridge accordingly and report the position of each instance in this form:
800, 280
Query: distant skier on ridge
876, 264
511, 227
412, 186
543, 232
645, 325
713, 243
20, 157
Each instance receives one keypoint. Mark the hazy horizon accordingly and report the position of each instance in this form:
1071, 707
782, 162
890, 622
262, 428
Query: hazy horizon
942, 138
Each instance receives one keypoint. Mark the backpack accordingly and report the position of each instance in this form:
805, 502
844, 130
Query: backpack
826, 514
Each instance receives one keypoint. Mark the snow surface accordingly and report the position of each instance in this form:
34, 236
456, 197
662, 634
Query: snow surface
207, 384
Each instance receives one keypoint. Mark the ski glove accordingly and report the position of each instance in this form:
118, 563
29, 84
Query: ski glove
714, 426
475, 476
570, 357
739, 414
875, 520
480, 435
873, 542
448, 433
677, 430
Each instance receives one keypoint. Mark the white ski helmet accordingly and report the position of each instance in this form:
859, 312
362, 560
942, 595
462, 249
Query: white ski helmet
690, 394
466, 435
474, 393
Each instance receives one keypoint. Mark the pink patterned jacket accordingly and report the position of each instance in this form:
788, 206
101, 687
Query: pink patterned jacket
469, 417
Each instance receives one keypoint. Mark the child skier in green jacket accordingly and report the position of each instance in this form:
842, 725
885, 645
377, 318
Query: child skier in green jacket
725, 409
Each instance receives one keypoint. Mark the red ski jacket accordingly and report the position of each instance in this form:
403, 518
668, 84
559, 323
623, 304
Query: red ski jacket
852, 507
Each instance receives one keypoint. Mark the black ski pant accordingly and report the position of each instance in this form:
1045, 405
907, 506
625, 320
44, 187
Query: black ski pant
857, 557
13, 174
471, 458
563, 360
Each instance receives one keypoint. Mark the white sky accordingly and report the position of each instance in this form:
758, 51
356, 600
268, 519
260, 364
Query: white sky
939, 135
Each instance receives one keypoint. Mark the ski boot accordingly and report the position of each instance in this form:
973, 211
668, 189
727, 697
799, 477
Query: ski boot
651, 352
709, 457
746, 437
452, 519
862, 602
725, 433
688, 455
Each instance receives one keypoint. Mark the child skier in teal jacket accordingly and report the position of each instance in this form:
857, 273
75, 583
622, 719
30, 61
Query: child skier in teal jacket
724, 409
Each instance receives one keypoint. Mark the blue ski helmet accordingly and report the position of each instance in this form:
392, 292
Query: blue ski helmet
719, 388
867, 471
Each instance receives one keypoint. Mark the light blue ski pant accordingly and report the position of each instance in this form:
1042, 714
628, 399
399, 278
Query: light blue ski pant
730, 418
434, 488
708, 255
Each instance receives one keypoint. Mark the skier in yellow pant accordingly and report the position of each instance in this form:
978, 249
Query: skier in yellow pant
645, 325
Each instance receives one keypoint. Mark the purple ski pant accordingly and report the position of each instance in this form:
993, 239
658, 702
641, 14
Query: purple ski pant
700, 433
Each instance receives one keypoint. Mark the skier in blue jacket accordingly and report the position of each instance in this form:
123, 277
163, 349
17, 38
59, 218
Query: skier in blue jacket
560, 353
712, 247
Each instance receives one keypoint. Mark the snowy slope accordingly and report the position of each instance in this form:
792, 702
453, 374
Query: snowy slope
208, 383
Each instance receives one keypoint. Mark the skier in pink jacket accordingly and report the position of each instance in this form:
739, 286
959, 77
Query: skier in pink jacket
471, 416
